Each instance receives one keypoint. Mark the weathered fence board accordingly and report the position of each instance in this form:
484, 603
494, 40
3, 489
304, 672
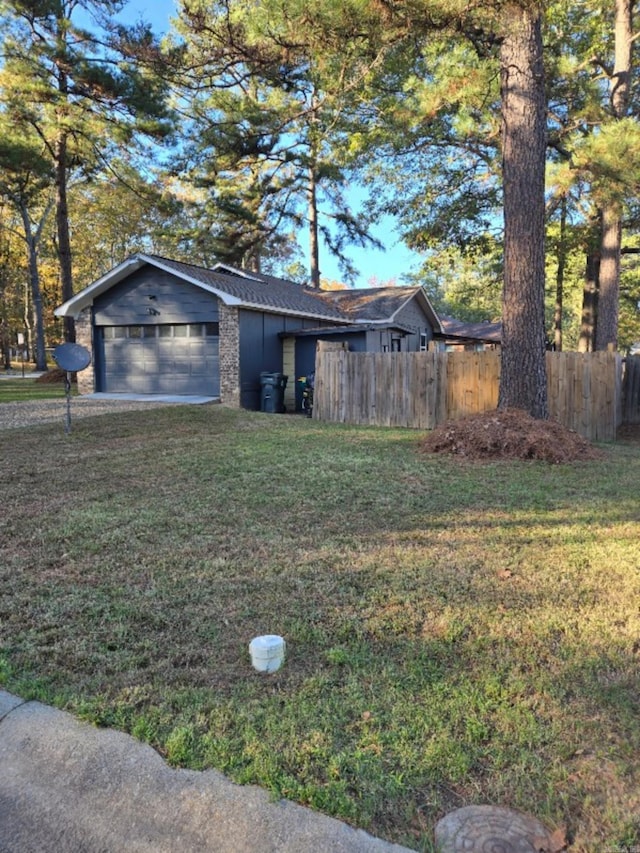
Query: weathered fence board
631, 390
583, 392
422, 390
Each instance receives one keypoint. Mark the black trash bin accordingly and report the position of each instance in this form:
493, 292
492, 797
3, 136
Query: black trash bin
272, 387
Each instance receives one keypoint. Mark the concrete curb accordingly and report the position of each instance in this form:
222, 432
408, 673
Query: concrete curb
68, 786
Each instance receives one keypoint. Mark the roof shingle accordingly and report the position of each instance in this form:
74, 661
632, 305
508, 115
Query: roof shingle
259, 290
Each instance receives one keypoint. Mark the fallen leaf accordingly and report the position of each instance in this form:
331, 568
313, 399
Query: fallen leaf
559, 840
554, 843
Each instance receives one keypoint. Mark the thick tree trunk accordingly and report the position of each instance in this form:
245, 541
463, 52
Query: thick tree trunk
620, 92
620, 84
61, 159
523, 382
39, 353
62, 229
609, 279
562, 261
587, 339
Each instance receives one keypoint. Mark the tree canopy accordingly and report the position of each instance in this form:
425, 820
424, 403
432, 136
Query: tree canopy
277, 113
84, 90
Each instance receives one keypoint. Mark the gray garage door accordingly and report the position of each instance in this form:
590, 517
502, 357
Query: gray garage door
166, 359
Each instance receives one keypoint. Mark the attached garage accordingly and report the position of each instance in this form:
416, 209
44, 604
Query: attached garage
169, 358
156, 334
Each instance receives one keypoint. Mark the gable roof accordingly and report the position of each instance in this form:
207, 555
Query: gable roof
253, 290
380, 304
484, 331
265, 293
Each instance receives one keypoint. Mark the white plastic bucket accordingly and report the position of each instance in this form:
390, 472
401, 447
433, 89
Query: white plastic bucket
267, 652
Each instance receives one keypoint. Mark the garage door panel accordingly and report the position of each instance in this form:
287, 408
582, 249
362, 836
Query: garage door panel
184, 385
169, 362
135, 361
142, 384
152, 365
201, 368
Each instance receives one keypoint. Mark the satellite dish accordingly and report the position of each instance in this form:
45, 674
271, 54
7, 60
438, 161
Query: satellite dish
72, 357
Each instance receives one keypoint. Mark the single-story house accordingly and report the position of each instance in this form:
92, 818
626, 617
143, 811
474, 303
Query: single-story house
158, 326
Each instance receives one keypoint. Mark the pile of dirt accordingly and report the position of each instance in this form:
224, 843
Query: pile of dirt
509, 434
56, 375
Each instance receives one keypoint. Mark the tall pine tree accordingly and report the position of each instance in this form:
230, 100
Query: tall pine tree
270, 121
384, 30
82, 88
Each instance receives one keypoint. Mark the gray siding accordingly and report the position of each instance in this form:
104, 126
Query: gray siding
378, 340
306, 348
306, 354
176, 301
261, 349
414, 317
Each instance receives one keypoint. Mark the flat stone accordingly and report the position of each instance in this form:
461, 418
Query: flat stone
491, 829
8, 702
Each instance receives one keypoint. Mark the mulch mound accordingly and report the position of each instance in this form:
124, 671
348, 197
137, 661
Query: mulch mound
509, 434
57, 374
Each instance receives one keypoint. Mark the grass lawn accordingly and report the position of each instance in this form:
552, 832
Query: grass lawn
457, 633
15, 390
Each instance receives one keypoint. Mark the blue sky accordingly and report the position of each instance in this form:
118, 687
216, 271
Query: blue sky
373, 265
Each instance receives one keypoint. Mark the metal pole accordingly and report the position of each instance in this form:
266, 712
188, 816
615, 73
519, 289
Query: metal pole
67, 391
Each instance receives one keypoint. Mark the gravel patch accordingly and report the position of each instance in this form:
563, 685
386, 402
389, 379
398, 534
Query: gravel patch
33, 412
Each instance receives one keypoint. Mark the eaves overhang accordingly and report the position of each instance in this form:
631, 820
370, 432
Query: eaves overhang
85, 298
349, 328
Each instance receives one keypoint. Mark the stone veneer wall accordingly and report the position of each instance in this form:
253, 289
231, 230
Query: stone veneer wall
229, 356
86, 378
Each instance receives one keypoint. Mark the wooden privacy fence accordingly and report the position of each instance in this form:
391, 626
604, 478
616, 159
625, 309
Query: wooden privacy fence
422, 390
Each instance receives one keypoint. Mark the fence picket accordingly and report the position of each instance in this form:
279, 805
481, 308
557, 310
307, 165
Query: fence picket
631, 390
